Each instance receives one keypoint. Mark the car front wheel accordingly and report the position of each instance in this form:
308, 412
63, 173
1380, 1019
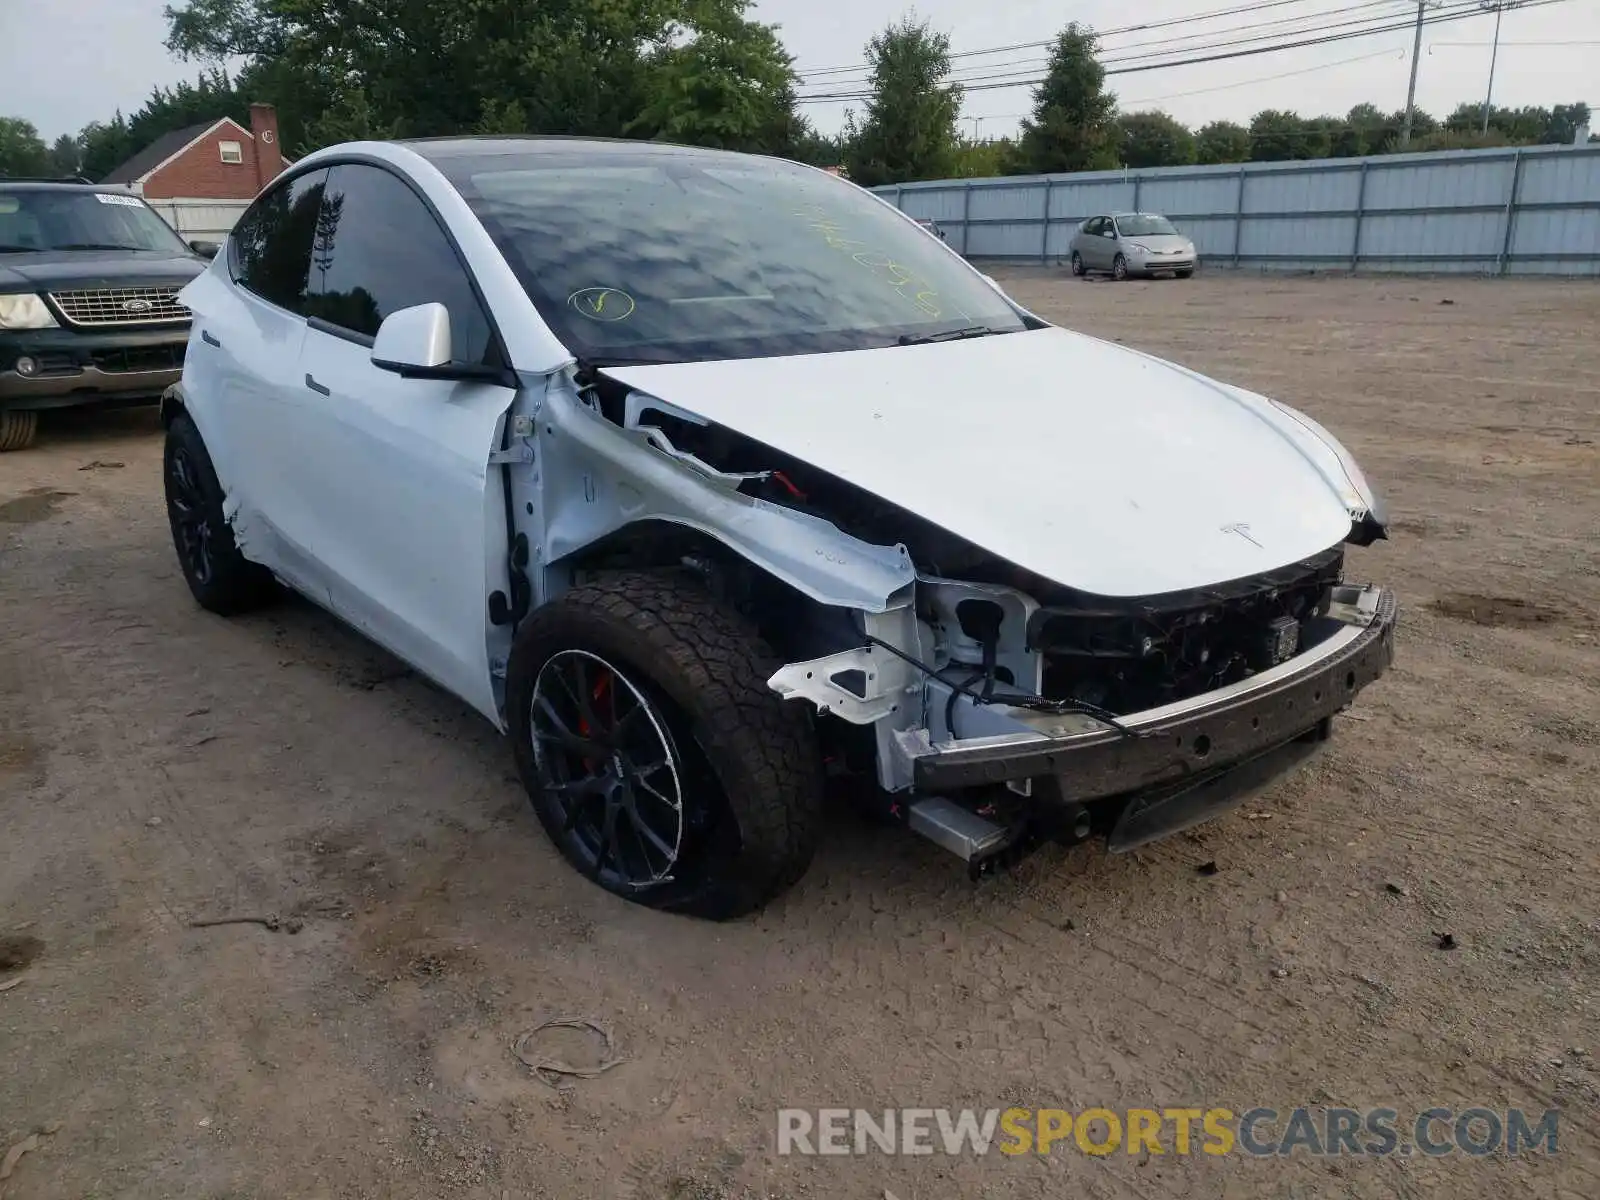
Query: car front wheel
655, 756
1119, 267
1077, 263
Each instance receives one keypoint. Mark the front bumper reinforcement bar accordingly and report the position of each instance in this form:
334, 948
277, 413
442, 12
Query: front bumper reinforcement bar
1190, 739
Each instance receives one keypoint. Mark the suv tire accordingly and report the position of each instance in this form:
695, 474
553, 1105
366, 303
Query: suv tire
17, 429
674, 708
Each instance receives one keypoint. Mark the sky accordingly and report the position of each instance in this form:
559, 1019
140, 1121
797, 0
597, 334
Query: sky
64, 63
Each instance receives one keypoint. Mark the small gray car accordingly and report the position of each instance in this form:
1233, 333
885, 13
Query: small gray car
1124, 244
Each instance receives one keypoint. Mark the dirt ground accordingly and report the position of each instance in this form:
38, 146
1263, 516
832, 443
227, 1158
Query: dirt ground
159, 765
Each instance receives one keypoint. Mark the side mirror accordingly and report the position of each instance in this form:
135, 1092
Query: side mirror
414, 342
205, 249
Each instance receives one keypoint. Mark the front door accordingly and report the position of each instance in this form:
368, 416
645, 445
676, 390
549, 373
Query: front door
395, 468
242, 355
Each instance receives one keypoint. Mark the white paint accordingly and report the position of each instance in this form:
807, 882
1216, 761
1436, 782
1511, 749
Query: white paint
1092, 465
373, 500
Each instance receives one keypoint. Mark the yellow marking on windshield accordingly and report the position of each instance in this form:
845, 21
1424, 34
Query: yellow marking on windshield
602, 304
900, 277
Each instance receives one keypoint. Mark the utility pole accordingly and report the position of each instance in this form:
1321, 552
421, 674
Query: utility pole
1499, 7
1411, 92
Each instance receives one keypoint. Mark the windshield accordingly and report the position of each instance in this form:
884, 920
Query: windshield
1144, 225
70, 219
679, 256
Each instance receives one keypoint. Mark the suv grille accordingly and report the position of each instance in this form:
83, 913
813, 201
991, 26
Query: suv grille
121, 306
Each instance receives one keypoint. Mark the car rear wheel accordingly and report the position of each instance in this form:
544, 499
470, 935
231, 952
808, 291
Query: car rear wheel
1119, 267
220, 578
17, 429
1077, 263
654, 754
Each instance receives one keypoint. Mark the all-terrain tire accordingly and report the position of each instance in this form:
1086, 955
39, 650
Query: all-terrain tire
705, 666
17, 429
220, 578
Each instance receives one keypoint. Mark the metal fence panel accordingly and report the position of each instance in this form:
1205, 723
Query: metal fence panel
207, 220
1534, 210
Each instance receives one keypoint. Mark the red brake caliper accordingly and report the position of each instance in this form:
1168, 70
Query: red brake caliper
600, 690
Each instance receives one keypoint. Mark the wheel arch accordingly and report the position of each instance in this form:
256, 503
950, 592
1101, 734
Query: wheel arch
173, 402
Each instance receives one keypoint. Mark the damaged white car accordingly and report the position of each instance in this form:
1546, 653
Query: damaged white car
708, 478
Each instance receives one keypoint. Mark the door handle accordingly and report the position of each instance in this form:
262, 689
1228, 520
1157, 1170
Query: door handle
205, 336
316, 387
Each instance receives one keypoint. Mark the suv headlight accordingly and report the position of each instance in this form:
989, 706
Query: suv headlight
25, 311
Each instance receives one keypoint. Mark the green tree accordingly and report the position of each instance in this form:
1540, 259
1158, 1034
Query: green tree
1565, 121
1366, 129
1222, 142
108, 145
1460, 139
817, 149
985, 159
66, 155
1277, 135
1519, 126
908, 130
334, 68
1154, 139
22, 152
727, 82
1073, 126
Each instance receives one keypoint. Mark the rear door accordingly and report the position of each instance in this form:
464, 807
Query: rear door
1094, 254
392, 473
239, 372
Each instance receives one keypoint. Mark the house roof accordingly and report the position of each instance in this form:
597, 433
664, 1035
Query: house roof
157, 152
168, 146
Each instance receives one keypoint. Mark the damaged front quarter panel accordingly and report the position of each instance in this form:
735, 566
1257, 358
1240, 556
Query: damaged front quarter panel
599, 478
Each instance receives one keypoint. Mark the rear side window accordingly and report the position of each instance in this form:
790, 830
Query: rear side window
269, 250
378, 249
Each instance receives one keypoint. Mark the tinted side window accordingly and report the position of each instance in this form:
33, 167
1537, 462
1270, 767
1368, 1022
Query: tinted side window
269, 250
379, 249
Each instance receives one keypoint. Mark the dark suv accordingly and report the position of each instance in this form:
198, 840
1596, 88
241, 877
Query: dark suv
89, 314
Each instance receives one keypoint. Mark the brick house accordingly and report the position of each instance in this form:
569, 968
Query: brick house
201, 178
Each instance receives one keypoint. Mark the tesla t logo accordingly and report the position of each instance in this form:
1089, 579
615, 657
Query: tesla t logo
1243, 531
136, 306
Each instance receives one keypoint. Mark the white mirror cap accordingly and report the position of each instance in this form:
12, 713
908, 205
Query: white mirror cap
414, 337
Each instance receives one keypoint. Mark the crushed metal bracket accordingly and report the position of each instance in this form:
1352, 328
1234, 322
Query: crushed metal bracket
875, 691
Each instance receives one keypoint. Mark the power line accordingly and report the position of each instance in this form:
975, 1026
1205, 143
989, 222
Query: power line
1222, 87
991, 83
1118, 56
1105, 33
1173, 43
862, 72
